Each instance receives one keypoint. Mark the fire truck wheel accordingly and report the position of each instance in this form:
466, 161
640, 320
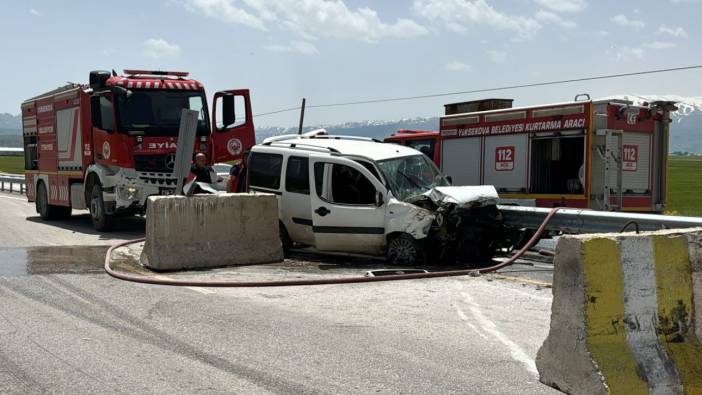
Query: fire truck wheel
44, 209
404, 250
101, 220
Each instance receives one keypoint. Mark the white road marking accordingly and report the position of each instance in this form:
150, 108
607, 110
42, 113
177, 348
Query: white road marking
201, 290
13, 198
470, 324
518, 354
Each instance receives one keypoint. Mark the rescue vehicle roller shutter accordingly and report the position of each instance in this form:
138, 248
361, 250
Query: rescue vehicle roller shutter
636, 164
506, 163
460, 159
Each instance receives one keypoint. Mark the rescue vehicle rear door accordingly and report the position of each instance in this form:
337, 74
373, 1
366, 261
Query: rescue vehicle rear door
232, 125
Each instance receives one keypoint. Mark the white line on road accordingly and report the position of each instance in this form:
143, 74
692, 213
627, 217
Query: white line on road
13, 198
518, 354
470, 324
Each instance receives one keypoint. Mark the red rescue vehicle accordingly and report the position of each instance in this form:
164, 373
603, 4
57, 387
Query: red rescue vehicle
109, 145
602, 154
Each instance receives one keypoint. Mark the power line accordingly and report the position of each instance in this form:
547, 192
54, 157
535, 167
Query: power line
536, 84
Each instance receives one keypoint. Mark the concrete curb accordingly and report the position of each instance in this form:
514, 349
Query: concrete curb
205, 231
624, 314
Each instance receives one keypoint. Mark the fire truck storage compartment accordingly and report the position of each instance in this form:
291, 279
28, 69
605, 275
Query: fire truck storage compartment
460, 159
68, 139
636, 164
556, 162
505, 163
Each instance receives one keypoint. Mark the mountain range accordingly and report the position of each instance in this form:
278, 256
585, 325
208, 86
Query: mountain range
686, 129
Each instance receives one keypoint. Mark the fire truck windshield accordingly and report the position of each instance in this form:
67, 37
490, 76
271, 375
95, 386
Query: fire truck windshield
157, 112
410, 176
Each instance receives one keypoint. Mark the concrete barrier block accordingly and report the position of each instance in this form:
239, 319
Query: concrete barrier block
625, 314
211, 230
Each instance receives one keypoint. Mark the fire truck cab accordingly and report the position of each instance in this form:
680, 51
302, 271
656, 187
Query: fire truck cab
109, 145
601, 154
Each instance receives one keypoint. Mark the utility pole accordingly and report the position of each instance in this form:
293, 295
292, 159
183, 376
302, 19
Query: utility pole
302, 116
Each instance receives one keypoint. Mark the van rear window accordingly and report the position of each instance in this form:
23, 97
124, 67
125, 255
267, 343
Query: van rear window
264, 170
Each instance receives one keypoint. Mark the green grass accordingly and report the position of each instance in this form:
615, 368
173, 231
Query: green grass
685, 185
12, 164
684, 181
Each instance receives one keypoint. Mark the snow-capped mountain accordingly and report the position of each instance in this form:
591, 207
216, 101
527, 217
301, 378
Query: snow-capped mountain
686, 130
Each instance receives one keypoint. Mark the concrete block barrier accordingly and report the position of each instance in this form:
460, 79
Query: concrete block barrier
211, 230
626, 316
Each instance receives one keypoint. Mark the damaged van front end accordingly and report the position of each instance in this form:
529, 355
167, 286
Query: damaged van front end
452, 223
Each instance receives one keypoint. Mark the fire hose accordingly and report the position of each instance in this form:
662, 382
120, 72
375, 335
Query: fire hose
338, 280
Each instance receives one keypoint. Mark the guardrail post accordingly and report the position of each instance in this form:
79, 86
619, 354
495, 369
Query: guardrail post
21, 189
2, 186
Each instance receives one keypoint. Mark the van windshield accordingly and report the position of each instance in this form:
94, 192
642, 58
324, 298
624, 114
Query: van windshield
157, 112
410, 176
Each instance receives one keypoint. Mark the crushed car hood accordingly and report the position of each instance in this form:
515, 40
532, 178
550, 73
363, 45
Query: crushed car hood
464, 196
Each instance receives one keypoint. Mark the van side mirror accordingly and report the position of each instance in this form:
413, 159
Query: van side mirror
379, 201
228, 111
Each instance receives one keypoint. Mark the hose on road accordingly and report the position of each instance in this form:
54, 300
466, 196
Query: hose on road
327, 281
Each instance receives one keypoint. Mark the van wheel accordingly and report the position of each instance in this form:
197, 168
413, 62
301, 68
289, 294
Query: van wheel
285, 239
404, 250
101, 220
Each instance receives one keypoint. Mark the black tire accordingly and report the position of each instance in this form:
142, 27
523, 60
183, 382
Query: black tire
44, 209
285, 239
48, 211
98, 214
404, 250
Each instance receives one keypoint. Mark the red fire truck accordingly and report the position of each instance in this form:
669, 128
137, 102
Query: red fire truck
109, 145
601, 154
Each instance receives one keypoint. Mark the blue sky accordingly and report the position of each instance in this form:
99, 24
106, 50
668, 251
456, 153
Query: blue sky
334, 51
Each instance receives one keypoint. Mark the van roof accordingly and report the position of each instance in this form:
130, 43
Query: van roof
356, 147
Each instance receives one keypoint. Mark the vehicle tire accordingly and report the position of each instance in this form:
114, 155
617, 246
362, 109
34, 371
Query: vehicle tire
285, 239
98, 214
404, 250
44, 209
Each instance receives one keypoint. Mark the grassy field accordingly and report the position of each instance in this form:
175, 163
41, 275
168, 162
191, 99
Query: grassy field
684, 182
685, 185
12, 164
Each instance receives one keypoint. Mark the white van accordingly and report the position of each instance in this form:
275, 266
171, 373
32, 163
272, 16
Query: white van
357, 195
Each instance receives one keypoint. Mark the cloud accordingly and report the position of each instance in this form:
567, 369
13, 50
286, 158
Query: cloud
673, 31
550, 17
458, 15
226, 11
158, 47
309, 19
34, 12
496, 56
563, 5
626, 54
660, 45
458, 66
622, 20
300, 47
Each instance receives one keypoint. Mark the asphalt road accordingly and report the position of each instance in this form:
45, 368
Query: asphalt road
67, 327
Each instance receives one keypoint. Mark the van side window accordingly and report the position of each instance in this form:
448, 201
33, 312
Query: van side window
349, 186
297, 175
264, 170
319, 179
370, 168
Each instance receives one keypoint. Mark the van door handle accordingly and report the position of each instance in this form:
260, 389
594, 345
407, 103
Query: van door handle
322, 211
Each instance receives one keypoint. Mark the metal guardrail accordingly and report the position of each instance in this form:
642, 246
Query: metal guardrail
10, 180
589, 221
